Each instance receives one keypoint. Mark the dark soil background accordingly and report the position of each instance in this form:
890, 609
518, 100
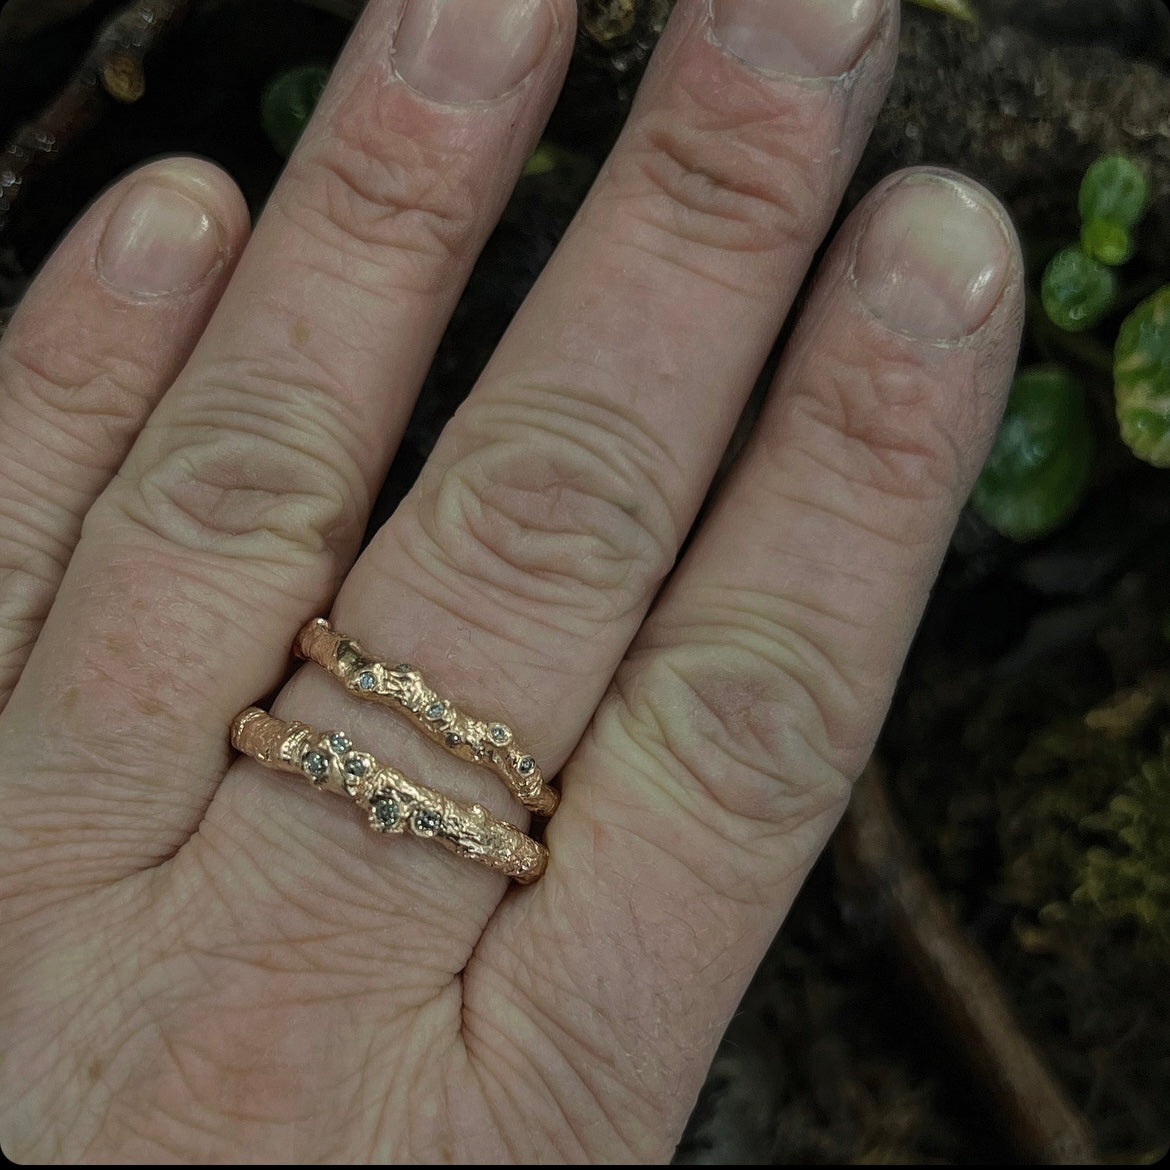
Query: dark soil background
836, 1054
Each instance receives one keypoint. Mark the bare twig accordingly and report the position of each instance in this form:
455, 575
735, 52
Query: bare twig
874, 853
111, 73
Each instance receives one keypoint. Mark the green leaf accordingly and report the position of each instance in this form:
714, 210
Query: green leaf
1042, 459
1141, 379
1109, 242
1114, 189
1076, 290
959, 9
288, 102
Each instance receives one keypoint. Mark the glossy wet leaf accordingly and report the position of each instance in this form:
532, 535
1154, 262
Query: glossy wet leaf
1076, 290
1109, 242
1042, 459
1114, 189
1141, 379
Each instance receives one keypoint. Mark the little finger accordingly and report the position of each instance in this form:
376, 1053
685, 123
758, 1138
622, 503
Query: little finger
98, 337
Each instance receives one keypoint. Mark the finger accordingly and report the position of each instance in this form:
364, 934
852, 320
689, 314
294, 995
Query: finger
721, 758
244, 499
518, 569
98, 337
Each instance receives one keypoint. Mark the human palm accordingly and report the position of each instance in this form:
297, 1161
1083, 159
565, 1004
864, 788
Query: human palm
203, 961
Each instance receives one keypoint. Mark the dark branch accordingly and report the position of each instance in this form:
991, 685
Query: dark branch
874, 856
112, 73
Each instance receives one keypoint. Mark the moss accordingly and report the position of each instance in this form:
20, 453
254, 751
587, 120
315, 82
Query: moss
1086, 837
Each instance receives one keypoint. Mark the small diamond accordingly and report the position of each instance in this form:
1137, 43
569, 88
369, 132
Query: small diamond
453, 740
339, 743
366, 680
386, 812
315, 764
427, 822
437, 710
403, 668
526, 766
357, 765
499, 733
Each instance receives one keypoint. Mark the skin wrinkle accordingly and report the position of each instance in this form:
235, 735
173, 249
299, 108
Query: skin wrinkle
68, 431
725, 697
180, 503
299, 397
499, 557
793, 658
696, 197
871, 439
449, 592
426, 953
397, 177
35, 483
552, 1032
749, 838
356, 892
546, 438
28, 549
771, 802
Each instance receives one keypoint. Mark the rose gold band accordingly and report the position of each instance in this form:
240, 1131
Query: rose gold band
489, 743
393, 802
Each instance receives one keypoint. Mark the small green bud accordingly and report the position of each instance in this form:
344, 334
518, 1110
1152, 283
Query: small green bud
1076, 290
1114, 189
1109, 242
288, 103
1141, 379
1038, 469
542, 160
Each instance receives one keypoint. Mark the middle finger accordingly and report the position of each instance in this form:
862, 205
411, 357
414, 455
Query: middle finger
244, 498
519, 567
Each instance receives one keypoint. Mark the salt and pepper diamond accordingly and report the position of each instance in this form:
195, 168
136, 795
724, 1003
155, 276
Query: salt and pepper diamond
356, 765
386, 812
315, 764
427, 822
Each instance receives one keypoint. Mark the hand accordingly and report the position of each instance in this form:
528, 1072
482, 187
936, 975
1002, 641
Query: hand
202, 960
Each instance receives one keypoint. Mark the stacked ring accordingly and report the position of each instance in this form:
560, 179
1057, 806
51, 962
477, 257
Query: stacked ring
393, 802
489, 743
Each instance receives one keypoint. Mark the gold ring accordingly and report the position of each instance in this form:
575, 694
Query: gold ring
393, 802
489, 743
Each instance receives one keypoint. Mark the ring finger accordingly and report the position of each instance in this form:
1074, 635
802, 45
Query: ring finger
520, 566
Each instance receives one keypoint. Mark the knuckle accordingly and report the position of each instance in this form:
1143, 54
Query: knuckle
97, 399
740, 724
556, 505
260, 475
877, 428
722, 169
382, 201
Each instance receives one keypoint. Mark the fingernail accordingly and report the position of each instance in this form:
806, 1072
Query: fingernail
933, 259
158, 241
803, 38
471, 50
